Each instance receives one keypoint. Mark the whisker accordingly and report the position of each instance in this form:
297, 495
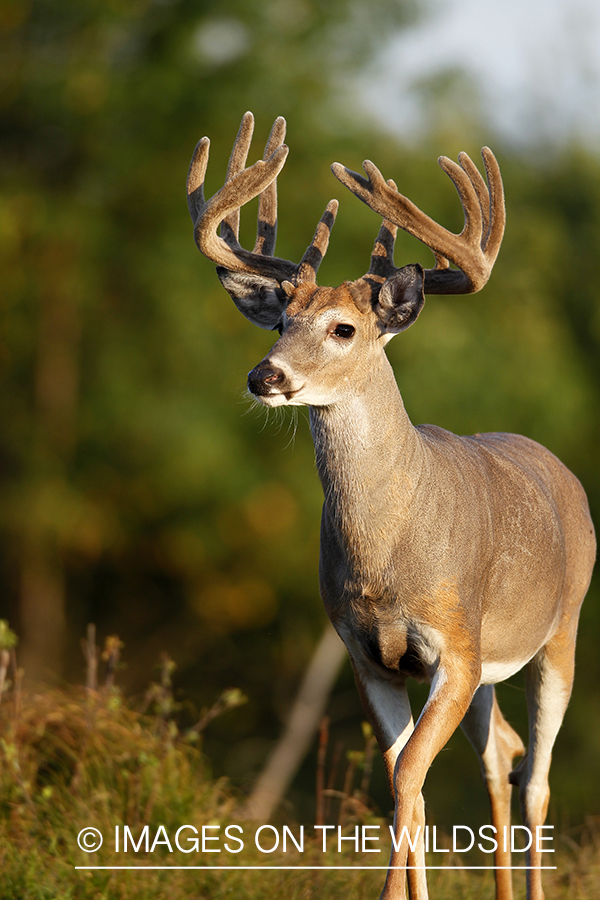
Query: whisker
292, 427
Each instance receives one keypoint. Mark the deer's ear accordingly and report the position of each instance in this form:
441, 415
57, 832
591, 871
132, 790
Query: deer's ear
401, 299
262, 300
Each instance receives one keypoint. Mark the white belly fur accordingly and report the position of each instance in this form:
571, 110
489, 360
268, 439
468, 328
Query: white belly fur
492, 672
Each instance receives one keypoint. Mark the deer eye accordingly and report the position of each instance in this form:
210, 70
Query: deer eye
344, 331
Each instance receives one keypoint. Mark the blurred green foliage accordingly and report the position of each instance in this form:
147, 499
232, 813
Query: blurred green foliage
138, 488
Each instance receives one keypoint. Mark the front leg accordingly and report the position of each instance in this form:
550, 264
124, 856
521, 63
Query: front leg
387, 707
452, 689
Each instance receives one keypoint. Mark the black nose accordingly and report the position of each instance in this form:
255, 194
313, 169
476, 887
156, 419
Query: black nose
263, 378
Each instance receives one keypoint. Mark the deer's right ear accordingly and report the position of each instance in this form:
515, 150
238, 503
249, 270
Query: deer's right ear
401, 299
262, 300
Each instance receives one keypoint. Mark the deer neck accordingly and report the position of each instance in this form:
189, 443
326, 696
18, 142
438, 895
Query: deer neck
369, 458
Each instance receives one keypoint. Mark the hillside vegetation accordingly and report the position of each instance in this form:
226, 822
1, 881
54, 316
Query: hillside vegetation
81, 758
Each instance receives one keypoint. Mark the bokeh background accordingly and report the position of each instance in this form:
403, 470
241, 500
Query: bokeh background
138, 488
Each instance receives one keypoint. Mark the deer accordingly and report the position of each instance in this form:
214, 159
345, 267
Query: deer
455, 560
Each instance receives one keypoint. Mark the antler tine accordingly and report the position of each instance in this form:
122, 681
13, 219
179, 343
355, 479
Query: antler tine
196, 176
310, 262
382, 257
230, 226
472, 232
474, 250
497, 207
266, 232
483, 195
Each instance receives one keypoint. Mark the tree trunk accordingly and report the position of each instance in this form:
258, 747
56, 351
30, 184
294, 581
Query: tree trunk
309, 706
56, 394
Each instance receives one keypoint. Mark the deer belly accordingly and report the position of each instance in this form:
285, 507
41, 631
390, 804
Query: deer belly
494, 671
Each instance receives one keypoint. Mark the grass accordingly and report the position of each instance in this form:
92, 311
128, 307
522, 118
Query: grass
81, 757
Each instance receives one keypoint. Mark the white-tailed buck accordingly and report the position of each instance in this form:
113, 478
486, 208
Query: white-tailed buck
456, 560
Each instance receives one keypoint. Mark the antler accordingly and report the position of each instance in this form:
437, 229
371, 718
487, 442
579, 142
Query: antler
242, 185
474, 250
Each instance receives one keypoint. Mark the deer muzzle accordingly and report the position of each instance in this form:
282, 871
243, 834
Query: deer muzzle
266, 379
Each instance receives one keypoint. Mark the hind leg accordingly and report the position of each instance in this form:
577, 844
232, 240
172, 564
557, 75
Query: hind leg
496, 745
548, 683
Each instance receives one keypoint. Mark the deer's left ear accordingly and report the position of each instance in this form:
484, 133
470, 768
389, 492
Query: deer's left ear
401, 299
262, 300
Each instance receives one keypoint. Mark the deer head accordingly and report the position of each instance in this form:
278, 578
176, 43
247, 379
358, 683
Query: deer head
330, 335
